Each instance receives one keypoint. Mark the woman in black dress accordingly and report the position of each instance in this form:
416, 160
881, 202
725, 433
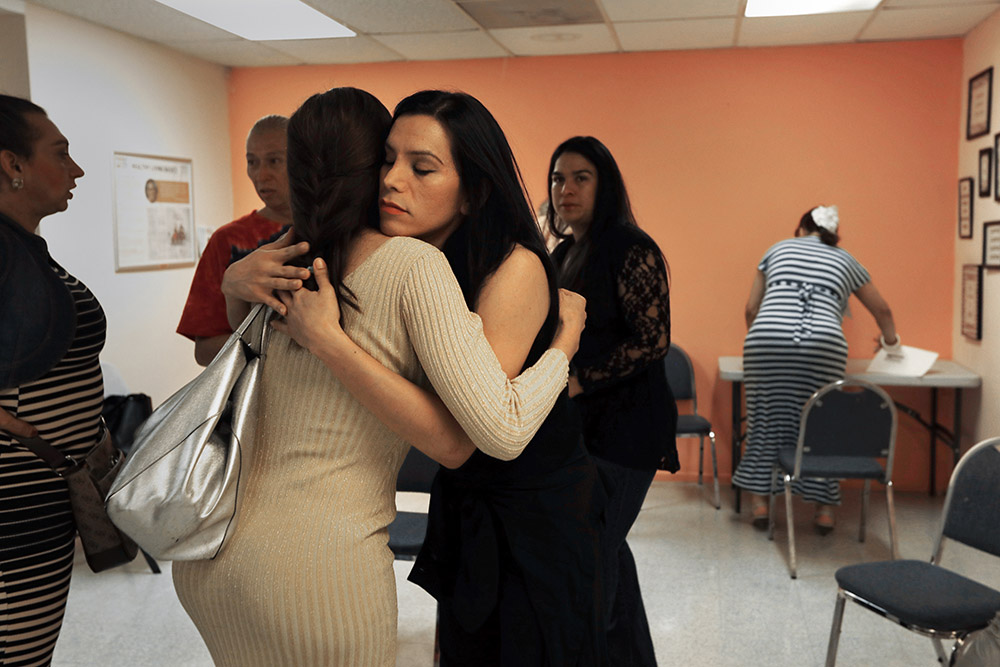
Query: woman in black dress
617, 377
512, 551
51, 332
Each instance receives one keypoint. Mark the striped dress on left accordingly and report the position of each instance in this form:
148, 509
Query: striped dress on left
37, 533
794, 346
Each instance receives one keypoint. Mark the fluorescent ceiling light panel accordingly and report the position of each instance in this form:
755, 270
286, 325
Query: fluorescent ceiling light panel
756, 8
262, 20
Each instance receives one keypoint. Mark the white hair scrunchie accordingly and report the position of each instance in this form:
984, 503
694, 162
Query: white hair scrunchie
826, 217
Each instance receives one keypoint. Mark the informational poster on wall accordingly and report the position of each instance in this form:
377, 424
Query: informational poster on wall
154, 213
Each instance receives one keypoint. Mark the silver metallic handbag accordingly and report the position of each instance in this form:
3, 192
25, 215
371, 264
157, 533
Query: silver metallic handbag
176, 496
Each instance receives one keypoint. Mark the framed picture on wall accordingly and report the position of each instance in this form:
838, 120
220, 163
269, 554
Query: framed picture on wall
972, 301
996, 171
153, 212
991, 245
965, 208
985, 171
977, 121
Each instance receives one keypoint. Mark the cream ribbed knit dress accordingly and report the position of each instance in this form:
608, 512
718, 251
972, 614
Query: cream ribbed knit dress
307, 579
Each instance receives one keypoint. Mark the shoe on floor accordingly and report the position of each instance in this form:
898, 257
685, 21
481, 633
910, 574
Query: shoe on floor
759, 516
824, 520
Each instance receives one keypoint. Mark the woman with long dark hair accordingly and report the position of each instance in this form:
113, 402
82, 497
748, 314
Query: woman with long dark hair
307, 578
512, 549
617, 378
52, 330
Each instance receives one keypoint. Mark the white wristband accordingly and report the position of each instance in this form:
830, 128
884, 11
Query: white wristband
895, 347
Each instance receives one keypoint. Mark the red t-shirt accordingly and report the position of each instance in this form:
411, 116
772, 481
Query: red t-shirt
205, 311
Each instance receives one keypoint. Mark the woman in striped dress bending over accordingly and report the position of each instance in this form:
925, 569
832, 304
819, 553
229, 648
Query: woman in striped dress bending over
51, 332
795, 346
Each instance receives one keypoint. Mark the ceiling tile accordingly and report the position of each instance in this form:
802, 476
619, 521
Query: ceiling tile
812, 29
557, 40
141, 18
444, 45
496, 14
239, 53
650, 10
396, 16
672, 35
338, 51
923, 22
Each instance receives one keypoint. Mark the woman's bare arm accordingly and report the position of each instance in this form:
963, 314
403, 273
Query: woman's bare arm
870, 298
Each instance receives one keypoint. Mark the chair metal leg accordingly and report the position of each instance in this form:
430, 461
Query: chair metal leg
770, 503
715, 470
891, 510
790, 520
865, 495
838, 617
939, 649
701, 457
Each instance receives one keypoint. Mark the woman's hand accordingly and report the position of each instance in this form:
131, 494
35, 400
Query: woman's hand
12, 424
312, 319
257, 276
572, 320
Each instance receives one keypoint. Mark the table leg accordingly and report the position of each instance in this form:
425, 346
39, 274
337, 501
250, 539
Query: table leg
736, 432
933, 430
956, 432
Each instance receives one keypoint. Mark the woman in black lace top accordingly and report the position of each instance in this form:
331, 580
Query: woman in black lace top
617, 377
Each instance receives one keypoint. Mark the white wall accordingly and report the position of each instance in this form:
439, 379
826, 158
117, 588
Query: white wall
982, 419
110, 92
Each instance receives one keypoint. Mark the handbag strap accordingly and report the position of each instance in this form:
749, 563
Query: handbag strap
60, 462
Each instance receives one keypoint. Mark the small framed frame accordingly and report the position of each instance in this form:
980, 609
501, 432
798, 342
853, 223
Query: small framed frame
977, 122
965, 186
153, 212
996, 170
972, 301
985, 171
991, 245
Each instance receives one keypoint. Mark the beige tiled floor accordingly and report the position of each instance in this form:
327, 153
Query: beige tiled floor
717, 593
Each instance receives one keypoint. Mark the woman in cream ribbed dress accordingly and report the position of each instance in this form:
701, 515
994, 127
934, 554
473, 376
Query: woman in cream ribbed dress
306, 578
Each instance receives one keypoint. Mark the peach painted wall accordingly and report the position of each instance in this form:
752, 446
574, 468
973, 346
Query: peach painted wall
722, 152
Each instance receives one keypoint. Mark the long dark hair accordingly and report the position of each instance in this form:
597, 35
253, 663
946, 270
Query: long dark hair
16, 133
809, 226
499, 216
336, 144
611, 205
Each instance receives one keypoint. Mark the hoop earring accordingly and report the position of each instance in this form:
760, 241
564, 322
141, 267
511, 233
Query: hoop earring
17, 183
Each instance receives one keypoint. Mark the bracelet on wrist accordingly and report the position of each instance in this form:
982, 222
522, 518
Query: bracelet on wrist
893, 346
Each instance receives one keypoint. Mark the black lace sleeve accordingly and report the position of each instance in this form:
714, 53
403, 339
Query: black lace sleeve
644, 293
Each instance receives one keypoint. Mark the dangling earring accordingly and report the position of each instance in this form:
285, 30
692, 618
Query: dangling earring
17, 183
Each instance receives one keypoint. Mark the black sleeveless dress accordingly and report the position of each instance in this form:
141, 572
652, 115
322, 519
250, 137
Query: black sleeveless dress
512, 550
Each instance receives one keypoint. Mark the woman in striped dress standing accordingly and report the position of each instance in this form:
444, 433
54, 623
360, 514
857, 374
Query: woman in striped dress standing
796, 345
51, 332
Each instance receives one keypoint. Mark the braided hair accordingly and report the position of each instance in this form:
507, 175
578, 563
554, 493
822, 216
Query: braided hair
336, 145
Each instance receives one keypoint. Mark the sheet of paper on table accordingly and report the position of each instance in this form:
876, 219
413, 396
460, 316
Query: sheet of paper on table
914, 362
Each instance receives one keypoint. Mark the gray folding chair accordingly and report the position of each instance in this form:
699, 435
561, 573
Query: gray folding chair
846, 428
680, 377
925, 597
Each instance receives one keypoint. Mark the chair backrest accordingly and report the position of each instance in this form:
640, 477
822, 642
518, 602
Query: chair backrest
971, 512
680, 375
417, 472
848, 418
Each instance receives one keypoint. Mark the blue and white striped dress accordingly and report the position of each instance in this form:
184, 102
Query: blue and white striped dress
794, 346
